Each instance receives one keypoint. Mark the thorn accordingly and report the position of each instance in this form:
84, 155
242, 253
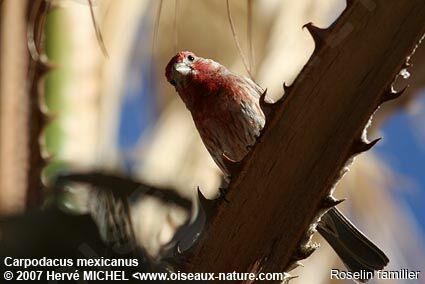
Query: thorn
392, 95
360, 146
317, 34
207, 205
44, 65
287, 88
49, 118
266, 105
46, 155
263, 97
329, 202
48, 159
232, 166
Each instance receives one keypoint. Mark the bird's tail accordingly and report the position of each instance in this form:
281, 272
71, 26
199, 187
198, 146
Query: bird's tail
357, 252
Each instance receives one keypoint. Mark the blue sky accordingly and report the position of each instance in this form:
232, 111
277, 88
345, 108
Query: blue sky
404, 152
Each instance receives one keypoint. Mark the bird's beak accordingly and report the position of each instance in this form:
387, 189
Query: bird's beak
182, 68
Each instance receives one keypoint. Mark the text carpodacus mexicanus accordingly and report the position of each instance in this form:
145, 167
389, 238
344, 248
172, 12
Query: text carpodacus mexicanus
226, 110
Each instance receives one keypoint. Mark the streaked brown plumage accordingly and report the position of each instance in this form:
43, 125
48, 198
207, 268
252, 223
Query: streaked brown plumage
224, 106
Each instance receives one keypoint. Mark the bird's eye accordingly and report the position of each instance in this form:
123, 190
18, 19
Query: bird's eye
172, 82
191, 58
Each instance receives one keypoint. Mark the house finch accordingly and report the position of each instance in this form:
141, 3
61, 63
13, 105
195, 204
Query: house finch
225, 107
226, 110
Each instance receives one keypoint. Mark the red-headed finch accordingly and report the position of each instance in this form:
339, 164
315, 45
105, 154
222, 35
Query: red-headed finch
224, 106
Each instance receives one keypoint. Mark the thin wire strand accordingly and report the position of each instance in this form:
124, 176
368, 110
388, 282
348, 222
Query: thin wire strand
98, 31
176, 27
232, 27
250, 35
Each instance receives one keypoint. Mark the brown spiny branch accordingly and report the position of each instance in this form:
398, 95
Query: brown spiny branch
37, 120
309, 139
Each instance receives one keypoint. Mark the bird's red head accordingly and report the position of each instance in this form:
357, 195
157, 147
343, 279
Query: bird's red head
180, 66
194, 76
